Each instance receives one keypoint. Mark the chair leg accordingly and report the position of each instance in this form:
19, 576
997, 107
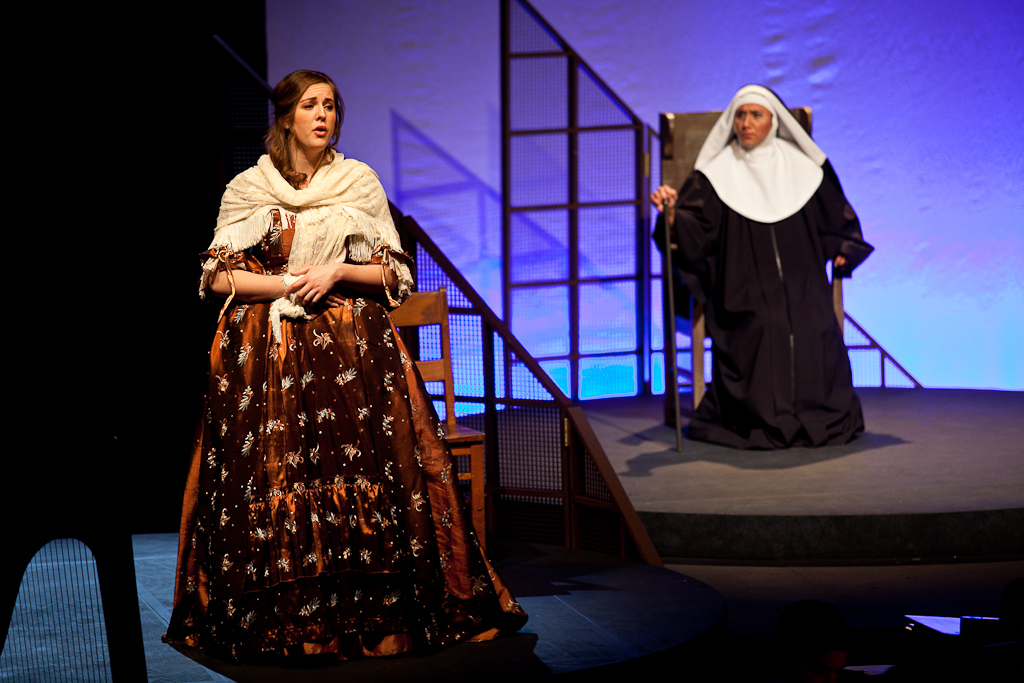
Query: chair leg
697, 346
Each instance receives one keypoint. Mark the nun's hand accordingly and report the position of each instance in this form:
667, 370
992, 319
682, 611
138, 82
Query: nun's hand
839, 261
666, 194
663, 194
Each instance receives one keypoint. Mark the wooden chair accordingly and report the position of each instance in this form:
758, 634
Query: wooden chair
682, 136
431, 308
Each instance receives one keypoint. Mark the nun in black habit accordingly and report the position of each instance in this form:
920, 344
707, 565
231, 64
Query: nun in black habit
755, 224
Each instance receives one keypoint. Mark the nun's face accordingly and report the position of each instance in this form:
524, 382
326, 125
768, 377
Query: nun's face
752, 124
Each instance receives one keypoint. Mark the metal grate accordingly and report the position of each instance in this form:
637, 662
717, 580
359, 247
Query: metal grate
530, 448
527, 33
597, 105
540, 170
608, 313
607, 171
573, 211
591, 484
531, 427
604, 251
430, 277
541, 84
872, 365
866, 366
540, 319
596, 531
58, 612
538, 520
537, 240
524, 384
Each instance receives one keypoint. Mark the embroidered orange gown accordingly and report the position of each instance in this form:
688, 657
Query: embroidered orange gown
321, 514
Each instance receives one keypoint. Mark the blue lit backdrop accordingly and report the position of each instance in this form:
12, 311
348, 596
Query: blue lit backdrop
916, 103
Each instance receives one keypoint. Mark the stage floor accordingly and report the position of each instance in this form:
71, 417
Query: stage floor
586, 610
930, 458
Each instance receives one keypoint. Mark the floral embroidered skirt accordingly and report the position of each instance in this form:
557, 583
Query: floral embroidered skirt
321, 514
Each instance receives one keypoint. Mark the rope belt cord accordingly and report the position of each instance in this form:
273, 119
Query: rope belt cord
385, 251
224, 256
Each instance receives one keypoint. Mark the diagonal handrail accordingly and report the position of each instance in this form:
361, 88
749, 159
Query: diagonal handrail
578, 436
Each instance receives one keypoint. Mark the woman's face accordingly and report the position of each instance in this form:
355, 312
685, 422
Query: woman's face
314, 119
752, 125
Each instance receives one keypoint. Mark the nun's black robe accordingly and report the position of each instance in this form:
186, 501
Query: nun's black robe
780, 373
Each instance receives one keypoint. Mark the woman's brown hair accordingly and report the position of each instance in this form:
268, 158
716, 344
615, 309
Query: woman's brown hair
286, 98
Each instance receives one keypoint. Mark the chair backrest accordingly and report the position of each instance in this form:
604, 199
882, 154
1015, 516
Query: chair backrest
431, 308
682, 136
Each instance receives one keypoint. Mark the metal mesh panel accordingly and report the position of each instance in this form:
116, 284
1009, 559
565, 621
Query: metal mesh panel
896, 378
468, 363
605, 376
658, 373
470, 414
529, 448
654, 143
539, 241
655, 258
544, 287
591, 483
465, 411
499, 366
59, 612
539, 93
538, 520
466, 352
540, 319
595, 106
608, 316
867, 367
546, 246
525, 385
559, 372
430, 349
853, 337
607, 167
607, 241
657, 319
540, 170
430, 278
600, 530
529, 35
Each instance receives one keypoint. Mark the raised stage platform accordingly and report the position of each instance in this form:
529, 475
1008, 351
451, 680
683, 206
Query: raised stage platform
938, 474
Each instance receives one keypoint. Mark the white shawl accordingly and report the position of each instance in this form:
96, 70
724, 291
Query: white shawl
774, 180
343, 213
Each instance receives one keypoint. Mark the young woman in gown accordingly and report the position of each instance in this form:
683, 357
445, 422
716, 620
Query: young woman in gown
321, 514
